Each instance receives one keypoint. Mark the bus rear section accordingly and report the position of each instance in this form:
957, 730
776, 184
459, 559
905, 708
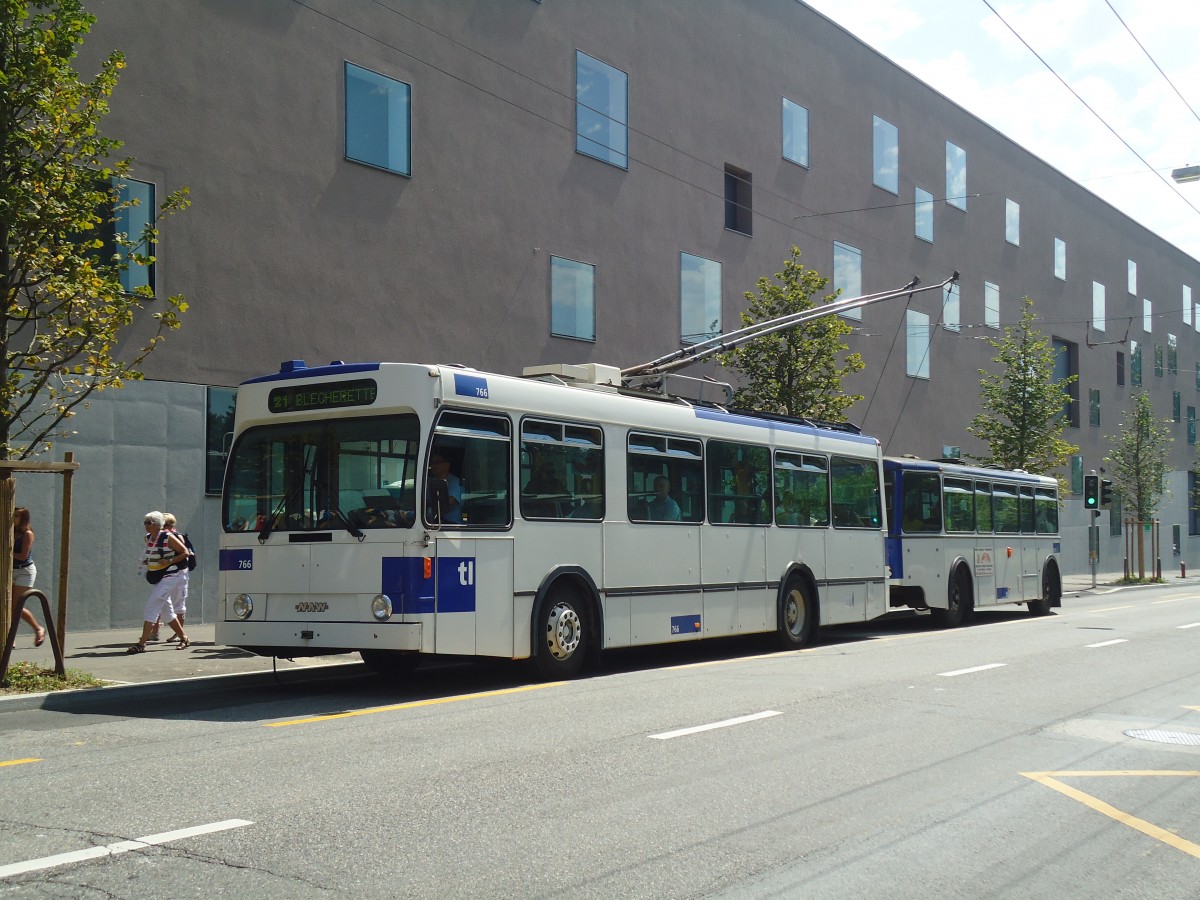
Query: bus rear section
961, 538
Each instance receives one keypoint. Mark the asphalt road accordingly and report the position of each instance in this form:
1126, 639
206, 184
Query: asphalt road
1020, 757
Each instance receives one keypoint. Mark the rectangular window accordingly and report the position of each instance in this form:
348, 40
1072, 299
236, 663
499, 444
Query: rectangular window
921, 511
1012, 222
1005, 513
1147, 316
739, 204
1191, 424
473, 453
886, 155
1045, 504
1066, 364
1135, 364
739, 484
917, 326
1120, 368
562, 471
983, 507
1076, 474
1158, 360
958, 504
133, 211
951, 315
666, 479
1060, 259
795, 133
1172, 355
847, 274
991, 305
1115, 518
1193, 503
854, 485
1187, 305
221, 403
699, 298
1132, 277
378, 120
601, 111
923, 214
1198, 376
956, 176
572, 299
801, 490
1094, 406
1097, 306
1176, 411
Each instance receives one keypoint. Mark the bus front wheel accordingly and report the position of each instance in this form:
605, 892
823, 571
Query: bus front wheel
797, 615
958, 600
563, 634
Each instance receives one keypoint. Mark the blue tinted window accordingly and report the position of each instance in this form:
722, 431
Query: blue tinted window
886, 155
795, 132
135, 210
572, 299
601, 111
956, 176
847, 275
923, 214
377, 120
699, 298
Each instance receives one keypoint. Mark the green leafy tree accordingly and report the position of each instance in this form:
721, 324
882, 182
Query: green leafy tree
62, 256
1021, 417
797, 371
1139, 465
64, 261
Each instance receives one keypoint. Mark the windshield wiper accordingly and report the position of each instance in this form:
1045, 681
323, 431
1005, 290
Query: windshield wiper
288, 498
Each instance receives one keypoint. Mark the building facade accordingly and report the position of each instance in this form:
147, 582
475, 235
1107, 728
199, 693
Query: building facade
509, 183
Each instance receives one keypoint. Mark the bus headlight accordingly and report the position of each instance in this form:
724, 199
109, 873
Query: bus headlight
243, 606
381, 607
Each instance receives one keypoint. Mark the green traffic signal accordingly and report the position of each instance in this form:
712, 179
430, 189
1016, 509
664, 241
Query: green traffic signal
1091, 492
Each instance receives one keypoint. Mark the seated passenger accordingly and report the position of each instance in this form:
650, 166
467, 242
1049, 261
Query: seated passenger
662, 507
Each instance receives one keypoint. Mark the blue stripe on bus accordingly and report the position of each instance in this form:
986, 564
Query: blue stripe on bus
470, 386
303, 371
793, 427
403, 579
895, 556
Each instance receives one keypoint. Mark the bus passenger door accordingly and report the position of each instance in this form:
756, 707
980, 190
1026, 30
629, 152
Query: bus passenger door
474, 596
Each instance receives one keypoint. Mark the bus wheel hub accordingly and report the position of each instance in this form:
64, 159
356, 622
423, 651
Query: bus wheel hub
563, 630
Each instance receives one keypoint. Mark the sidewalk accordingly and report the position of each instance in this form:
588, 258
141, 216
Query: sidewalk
103, 654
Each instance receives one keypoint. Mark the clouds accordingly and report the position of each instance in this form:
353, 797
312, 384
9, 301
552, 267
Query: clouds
967, 53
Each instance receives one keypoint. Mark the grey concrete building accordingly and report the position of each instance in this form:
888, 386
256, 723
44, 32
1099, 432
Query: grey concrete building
508, 182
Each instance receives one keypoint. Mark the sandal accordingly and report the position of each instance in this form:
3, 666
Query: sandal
183, 643
136, 648
172, 639
39, 637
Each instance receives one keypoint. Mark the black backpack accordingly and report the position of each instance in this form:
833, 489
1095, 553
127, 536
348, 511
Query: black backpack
187, 542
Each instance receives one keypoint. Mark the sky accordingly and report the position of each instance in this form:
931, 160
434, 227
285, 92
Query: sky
965, 50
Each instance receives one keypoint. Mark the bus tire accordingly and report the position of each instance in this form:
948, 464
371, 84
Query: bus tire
563, 634
1051, 592
390, 663
796, 619
958, 600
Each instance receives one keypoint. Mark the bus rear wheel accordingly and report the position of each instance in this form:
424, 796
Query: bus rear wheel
390, 663
797, 616
1051, 592
563, 634
958, 600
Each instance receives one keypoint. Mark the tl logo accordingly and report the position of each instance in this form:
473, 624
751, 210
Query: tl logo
466, 572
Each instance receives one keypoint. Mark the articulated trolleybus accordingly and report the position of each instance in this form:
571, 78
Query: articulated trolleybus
962, 537
399, 509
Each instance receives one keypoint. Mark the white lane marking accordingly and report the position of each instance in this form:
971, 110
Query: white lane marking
1193, 625
666, 735
972, 669
1110, 643
62, 859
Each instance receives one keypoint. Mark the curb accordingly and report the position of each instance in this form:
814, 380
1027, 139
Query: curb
117, 696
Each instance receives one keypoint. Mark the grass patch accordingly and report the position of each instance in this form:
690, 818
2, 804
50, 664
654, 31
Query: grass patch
30, 678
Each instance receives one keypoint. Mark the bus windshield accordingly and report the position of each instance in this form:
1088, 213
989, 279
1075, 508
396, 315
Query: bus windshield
349, 474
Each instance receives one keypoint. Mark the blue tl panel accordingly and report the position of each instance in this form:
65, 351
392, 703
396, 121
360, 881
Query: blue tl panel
403, 580
456, 584
239, 560
470, 386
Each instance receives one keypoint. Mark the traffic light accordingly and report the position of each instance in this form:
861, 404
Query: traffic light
1105, 493
1091, 492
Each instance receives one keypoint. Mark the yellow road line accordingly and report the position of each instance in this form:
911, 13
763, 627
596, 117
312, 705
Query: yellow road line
1113, 608
1146, 828
415, 704
18, 762
1174, 600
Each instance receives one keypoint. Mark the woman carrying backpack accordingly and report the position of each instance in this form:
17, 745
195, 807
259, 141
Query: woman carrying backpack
166, 557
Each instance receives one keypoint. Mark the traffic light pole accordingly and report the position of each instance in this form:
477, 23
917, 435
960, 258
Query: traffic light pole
1094, 543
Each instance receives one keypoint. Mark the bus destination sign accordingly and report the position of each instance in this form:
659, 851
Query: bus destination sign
302, 398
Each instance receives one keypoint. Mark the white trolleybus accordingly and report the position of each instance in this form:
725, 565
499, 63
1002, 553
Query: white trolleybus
398, 509
962, 537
